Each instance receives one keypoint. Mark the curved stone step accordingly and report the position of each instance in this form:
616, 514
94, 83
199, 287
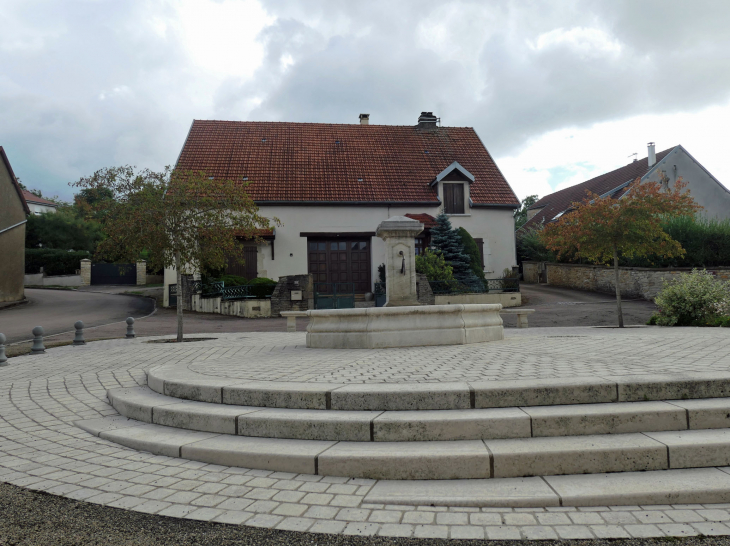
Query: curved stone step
145, 405
464, 459
178, 381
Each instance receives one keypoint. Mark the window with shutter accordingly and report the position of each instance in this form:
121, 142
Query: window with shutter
454, 198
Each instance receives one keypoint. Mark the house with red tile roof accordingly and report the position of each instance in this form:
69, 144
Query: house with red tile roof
332, 184
673, 162
39, 205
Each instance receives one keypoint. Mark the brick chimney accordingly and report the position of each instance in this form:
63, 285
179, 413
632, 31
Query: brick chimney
652, 154
427, 121
364, 119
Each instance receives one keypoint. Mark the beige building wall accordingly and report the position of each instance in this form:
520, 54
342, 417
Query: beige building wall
494, 225
12, 242
706, 191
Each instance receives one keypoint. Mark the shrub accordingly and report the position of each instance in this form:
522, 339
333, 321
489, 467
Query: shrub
531, 247
471, 249
693, 299
62, 230
262, 287
53, 262
434, 266
232, 280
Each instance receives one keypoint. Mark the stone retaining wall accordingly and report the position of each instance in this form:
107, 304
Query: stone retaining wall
636, 282
251, 308
281, 298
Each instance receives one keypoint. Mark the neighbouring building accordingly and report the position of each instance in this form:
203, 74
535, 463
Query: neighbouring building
13, 213
331, 185
39, 205
675, 162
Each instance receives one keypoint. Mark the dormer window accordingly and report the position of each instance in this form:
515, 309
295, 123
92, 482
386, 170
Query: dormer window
453, 198
454, 182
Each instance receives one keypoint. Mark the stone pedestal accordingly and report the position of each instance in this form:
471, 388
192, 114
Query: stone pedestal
399, 234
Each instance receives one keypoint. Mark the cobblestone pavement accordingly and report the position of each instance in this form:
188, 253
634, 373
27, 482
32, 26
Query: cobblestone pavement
41, 449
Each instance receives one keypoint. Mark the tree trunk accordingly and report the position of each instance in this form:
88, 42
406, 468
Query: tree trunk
618, 288
180, 297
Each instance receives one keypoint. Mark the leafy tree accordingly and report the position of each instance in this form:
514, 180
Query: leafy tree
183, 219
434, 266
472, 250
604, 229
530, 246
447, 241
94, 203
63, 229
520, 214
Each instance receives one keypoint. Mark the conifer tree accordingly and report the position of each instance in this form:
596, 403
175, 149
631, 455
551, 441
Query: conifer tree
447, 240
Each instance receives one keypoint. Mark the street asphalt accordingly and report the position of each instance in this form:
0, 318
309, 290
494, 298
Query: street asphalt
57, 311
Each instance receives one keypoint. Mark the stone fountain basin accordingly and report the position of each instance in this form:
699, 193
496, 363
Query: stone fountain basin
409, 326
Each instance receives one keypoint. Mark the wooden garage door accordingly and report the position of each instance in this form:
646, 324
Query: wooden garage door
340, 261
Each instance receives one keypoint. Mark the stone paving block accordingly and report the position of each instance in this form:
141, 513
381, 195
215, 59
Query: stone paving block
539, 532
385, 516
616, 418
573, 532
264, 520
471, 424
353, 426
431, 531
494, 492
407, 460
328, 526
233, 517
361, 529
576, 455
295, 524
467, 532
712, 528
402, 396
678, 530
609, 531
265, 453
546, 392
503, 532
395, 530
696, 448
690, 485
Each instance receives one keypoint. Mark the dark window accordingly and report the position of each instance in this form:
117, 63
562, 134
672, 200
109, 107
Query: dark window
454, 198
480, 244
248, 269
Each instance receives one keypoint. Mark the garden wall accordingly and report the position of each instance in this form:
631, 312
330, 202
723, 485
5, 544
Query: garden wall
636, 282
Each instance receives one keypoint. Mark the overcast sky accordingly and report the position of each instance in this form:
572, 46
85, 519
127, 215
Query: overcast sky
559, 91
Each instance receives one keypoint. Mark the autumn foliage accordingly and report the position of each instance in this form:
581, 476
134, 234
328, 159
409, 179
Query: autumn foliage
602, 229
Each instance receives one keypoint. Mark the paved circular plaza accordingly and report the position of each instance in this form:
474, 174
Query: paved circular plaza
41, 448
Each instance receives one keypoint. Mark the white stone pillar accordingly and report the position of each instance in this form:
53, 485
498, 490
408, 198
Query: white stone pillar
85, 272
142, 272
399, 234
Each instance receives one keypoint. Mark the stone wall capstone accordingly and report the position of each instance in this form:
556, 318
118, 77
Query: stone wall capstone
635, 282
281, 298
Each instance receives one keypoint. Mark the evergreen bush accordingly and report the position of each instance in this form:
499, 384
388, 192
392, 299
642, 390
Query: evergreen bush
471, 248
447, 241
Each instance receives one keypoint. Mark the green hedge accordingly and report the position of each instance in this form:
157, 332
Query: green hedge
53, 262
706, 243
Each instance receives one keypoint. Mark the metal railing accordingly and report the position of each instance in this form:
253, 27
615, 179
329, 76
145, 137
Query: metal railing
218, 289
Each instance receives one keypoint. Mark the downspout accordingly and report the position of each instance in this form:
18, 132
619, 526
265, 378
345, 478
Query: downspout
13, 226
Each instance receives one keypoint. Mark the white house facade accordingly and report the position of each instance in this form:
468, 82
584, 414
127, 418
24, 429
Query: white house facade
331, 185
39, 205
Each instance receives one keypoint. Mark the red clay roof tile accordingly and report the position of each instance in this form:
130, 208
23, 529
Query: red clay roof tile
557, 202
341, 163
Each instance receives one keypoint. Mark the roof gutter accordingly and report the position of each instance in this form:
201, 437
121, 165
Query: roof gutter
495, 206
13, 226
351, 203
